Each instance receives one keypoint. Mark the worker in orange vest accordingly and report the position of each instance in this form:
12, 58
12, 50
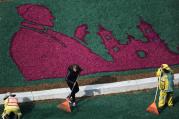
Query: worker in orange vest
11, 106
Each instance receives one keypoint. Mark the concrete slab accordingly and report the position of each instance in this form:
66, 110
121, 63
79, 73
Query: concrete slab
90, 90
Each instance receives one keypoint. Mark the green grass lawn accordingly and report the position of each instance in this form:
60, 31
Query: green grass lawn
119, 16
115, 106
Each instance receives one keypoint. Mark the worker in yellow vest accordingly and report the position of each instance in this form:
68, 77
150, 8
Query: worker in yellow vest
11, 106
166, 86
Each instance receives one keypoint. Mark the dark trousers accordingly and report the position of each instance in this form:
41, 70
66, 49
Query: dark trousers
74, 90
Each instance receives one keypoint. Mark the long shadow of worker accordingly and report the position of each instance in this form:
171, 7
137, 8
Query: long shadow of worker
82, 100
27, 106
96, 90
92, 91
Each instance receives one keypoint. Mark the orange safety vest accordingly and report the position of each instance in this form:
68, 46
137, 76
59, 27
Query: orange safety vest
12, 101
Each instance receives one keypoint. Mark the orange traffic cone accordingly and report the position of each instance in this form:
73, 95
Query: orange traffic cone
152, 108
65, 106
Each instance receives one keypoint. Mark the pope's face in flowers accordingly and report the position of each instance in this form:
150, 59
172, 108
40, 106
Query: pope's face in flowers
36, 14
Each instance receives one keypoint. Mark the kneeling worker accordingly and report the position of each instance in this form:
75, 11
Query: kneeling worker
11, 106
